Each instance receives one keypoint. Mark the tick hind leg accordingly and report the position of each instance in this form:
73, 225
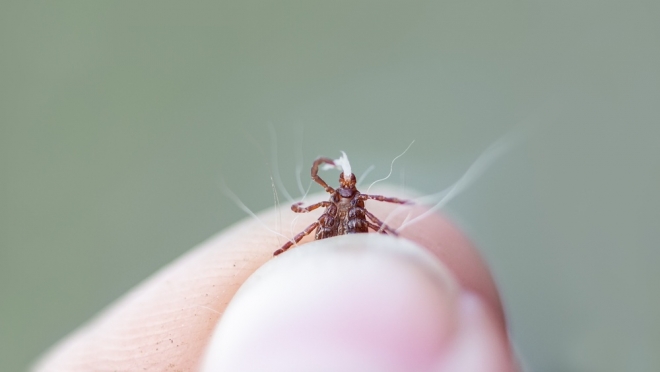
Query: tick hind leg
378, 225
376, 228
297, 238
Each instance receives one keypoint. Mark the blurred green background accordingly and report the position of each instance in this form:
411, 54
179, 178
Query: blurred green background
119, 121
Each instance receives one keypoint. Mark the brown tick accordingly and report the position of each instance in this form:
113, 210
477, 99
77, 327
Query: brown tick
344, 212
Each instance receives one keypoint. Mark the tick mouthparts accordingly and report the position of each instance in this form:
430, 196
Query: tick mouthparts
341, 163
345, 165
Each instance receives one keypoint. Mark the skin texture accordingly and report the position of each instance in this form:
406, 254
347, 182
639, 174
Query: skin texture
166, 323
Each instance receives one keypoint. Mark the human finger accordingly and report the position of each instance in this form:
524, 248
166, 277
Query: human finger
166, 321
364, 302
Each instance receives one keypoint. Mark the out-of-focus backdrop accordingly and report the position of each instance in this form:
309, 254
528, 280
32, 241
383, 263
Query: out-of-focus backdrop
119, 122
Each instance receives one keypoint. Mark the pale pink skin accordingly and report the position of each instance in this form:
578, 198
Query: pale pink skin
167, 322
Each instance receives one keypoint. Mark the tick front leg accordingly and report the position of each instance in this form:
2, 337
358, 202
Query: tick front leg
384, 199
298, 209
297, 238
378, 225
315, 173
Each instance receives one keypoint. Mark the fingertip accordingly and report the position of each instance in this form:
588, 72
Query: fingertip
362, 302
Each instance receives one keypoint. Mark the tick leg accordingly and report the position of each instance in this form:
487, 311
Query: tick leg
315, 171
298, 209
376, 228
297, 238
380, 226
384, 199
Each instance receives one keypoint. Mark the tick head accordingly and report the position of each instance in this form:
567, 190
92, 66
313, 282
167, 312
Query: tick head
347, 183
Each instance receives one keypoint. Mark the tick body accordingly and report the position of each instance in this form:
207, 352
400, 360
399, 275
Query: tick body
344, 211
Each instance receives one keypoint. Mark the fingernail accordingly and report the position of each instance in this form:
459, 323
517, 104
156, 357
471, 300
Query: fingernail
480, 343
364, 302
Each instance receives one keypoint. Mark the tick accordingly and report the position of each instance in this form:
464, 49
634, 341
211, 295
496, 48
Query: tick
344, 212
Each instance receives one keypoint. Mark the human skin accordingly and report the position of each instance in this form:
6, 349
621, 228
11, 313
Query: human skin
455, 321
